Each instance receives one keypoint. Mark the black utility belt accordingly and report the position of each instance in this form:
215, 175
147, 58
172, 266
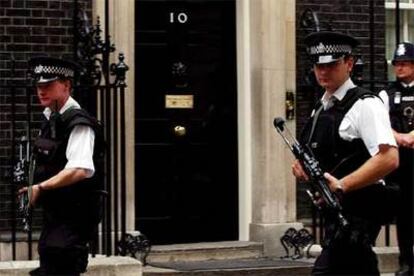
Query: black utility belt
376, 202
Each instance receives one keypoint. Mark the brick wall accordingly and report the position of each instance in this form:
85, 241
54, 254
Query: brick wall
347, 16
27, 28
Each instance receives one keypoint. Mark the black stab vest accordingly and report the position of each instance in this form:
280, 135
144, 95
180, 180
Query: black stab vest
401, 102
336, 155
341, 157
50, 154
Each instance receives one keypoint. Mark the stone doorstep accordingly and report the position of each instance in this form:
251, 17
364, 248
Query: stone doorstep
126, 266
259, 271
239, 267
387, 256
205, 251
99, 266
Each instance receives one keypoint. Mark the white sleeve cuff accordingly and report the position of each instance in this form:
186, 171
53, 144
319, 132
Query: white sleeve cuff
81, 164
79, 151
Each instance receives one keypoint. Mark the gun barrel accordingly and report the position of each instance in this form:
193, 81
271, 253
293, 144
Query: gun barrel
313, 170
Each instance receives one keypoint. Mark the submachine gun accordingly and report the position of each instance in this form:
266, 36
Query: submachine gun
311, 167
22, 176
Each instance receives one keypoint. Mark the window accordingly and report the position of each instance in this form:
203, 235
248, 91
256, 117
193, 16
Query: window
406, 28
392, 2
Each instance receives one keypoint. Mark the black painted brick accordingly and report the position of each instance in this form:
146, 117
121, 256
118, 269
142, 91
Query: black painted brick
17, 12
36, 21
36, 4
5, 3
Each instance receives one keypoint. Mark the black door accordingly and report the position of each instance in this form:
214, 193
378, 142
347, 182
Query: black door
186, 121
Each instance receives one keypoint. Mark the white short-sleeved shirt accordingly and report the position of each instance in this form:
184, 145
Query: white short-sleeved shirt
79, 151
367, 119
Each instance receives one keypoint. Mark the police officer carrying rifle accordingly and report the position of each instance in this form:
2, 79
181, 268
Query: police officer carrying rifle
68, 154
399, 100
350, 135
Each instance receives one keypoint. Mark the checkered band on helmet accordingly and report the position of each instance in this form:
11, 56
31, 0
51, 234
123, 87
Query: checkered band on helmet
44, 69
54, 70
329, 49
328, 46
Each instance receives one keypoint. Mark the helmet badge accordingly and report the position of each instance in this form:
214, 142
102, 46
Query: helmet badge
401, 50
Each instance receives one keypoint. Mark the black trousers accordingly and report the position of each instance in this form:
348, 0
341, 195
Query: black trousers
349, 251
346, 260
405, 220
62, 249
62, 261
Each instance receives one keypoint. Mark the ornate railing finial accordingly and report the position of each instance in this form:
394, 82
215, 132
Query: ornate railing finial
309, 20
119, 70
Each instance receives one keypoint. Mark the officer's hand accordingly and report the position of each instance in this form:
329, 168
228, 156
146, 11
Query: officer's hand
35, 193
333, 182
22, 191
405, 139
298, 171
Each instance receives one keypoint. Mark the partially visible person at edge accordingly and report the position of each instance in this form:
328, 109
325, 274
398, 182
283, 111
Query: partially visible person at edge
350, 135
399, 100
67, 153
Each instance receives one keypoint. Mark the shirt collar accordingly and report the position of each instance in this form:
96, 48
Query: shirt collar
411, 84
70, 103
327, 99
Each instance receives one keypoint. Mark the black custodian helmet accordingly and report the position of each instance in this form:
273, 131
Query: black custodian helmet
403, 52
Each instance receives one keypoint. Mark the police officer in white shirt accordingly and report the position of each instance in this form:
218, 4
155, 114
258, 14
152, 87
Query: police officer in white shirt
399, 100
350, 135
66, 178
